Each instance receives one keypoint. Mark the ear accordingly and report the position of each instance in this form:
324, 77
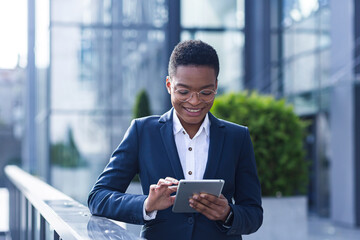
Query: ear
168, 84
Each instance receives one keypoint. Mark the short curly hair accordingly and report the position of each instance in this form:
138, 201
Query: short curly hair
193, 52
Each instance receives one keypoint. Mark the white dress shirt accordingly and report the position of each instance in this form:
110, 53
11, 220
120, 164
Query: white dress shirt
193, 153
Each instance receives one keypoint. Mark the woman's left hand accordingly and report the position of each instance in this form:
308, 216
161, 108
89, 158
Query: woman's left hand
213, 207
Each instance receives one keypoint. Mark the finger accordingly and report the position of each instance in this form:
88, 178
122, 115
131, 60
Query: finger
204, 201
213, 210
172, 199
173, 180
162, 182
211, 200
223, 198
209, 197
153, 187
203, 209
173, 188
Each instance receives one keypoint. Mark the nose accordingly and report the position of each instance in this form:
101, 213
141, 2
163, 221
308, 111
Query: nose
194, 99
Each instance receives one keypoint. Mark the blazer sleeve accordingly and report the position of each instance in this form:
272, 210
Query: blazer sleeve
248, 213
107, 197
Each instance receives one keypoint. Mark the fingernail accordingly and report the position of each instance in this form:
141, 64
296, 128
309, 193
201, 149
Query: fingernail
195, 197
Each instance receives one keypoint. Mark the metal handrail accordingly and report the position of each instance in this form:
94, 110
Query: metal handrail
38, 210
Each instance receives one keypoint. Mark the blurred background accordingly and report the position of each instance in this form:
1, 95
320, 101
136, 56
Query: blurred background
70, 72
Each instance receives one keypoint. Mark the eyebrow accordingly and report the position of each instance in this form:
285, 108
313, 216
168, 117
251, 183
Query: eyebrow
203, 87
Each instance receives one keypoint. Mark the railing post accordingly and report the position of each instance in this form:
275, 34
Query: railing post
23, 220
26, 211
31, 226
14, 211
56, 235
42, 228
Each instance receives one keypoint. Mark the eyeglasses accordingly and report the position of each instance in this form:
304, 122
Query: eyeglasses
184, 95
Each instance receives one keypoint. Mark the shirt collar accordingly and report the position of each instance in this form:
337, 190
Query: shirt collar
177, 126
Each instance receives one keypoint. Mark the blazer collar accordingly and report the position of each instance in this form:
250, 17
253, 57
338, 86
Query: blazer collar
168, 139
166, 117
217, 135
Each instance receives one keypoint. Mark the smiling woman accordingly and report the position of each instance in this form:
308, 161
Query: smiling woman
13, 40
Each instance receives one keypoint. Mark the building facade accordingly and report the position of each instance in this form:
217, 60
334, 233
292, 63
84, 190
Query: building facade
91, 57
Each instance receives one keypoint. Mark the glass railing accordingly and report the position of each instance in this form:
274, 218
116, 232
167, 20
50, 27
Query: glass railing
39, 211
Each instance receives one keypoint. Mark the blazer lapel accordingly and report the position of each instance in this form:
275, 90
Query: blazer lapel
167, 136
217, 135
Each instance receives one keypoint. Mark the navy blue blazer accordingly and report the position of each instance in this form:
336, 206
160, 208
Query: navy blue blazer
149, 149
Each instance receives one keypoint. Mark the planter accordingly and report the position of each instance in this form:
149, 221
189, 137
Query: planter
284, 218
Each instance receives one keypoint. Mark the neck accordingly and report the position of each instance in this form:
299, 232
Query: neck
191, 129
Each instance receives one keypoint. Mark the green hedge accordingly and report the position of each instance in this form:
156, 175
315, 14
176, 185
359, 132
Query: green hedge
277, 134
66, 154
142, 105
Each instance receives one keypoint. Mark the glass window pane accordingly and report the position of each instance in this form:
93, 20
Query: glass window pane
326, 81
297, 42
81, 11
298, 10
141, 12
229, 47
305, 103
300, 74
81, 70
79, 150
212, 13
102, 69
140, 62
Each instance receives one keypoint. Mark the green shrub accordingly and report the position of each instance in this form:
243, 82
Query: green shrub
277, 134
66, 154
142, 105
141, 109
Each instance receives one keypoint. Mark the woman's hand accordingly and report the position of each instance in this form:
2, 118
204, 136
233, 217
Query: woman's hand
159, 195
213, 207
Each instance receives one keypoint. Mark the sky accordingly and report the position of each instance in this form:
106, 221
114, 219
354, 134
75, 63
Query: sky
13, 33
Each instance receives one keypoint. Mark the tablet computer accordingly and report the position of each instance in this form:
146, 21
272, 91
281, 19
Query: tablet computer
187, 188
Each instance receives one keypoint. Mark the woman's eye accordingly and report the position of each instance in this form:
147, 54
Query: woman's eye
183, 92
206, 92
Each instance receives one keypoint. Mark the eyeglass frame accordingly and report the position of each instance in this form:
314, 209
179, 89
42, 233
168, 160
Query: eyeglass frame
198, 95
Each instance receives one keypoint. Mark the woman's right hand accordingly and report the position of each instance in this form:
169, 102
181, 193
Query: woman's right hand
160, 194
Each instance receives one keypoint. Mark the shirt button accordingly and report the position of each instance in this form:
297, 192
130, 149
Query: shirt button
189, 172
184, 132
190, 148
190, 220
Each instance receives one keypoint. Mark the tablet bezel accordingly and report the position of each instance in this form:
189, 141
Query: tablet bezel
187, 188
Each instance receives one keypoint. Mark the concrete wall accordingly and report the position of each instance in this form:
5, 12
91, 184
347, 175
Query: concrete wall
342, 178
342, 143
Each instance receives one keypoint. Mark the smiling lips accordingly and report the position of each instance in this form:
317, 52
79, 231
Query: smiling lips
193, 110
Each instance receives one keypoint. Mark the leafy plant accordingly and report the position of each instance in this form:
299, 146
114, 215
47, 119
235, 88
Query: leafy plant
66, 154
142, 105
277, 134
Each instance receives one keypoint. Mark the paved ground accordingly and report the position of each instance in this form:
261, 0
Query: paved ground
318, 229
324, 229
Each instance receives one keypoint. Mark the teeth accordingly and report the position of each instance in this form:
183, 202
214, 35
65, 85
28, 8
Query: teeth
193, 110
